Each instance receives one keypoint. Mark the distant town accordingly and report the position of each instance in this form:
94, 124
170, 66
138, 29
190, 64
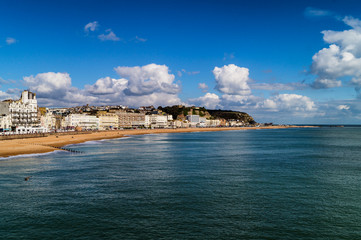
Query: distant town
24, 116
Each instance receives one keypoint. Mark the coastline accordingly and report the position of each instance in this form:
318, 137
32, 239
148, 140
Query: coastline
52, 143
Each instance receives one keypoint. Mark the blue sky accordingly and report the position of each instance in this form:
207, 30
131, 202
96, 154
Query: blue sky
261, 57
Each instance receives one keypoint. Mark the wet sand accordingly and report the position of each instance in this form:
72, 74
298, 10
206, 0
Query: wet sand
52, 142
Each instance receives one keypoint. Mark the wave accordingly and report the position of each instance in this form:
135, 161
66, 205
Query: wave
95, 142
29, 155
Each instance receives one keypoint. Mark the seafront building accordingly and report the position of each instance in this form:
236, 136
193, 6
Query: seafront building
196, 121
21, 115
24, 116
82, 121
156, 121
47, 119
5, 122
130, 119
213, 122
108, 121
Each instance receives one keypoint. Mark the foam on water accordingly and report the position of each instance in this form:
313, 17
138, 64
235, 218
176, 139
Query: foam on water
30, 155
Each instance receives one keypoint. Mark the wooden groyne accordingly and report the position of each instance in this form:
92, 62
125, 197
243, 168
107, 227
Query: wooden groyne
65, 149
22, 136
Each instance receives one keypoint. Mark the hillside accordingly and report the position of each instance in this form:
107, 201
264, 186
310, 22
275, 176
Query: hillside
232, 115
179, 112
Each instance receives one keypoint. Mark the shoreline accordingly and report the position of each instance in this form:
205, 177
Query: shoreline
25, 146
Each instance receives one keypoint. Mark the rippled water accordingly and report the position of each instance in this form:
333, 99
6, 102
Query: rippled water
259, 184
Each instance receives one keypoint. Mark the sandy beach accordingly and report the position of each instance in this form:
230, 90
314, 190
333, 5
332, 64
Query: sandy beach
53, 142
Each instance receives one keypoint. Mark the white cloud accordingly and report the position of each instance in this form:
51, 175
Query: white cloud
144, 85
343, 107
55, 89
156, 99
50, 84
141, 85
232, 80
341, 59
110, 36
10, 41
107, 85
229, 100
92, 26
352, 22
296, 104
148, 79
203, 86
209, 101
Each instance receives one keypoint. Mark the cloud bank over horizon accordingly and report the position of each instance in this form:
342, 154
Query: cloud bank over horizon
153, 84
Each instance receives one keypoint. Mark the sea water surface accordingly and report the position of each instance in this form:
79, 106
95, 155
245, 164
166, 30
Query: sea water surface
257, 184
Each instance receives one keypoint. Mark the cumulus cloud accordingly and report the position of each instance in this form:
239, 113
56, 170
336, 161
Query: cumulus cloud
289, 103
151, 84
341, 59
49, 84
156, 99
92, 26
55, 89
148, 79
235, 100
209, 101
141, 85
203, 86
10, 41
232, 80
107, 85
352, 22
110, 36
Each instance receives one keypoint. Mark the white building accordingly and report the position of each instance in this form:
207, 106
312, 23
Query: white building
23, 112
30, 130
179, 124
5, 123
130, 119
196, 121
193, 118
157, 121
213, 123
48, 120
235, 123
86, 122
108, 121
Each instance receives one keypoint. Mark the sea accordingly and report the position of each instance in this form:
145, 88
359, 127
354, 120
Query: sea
301, 183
